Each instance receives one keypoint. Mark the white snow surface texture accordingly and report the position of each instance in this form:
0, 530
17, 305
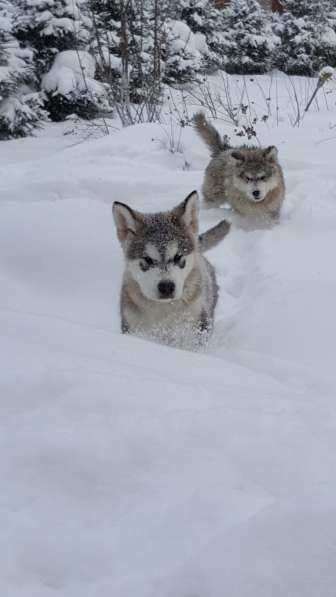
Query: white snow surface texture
130, 469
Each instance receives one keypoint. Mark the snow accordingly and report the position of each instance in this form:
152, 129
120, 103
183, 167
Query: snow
329, 37
327, 72
130, 468
5, 23
71, 71
182, 38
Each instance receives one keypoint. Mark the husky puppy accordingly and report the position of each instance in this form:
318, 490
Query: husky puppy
250, 179
169, 290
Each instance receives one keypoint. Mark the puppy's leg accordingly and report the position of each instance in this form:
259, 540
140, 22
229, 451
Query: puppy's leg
204, 330
124, 326
212, 201
204, 322
275, 215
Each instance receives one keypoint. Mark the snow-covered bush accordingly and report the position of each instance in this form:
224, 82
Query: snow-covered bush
185, 53
51, 26
194, 14
70, 87
308, 35
21, 110
247, 39
205, 21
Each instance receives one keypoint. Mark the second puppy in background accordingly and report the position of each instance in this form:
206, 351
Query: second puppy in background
249, 179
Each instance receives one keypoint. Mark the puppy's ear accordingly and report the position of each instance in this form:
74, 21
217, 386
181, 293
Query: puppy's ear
271, 153
125, 220
237, 155
188, 211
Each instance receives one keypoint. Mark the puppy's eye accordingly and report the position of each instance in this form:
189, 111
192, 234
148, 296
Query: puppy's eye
248, 179
262, 178
179, 260
146, 263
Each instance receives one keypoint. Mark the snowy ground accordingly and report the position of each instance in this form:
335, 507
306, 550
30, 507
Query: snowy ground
134, 470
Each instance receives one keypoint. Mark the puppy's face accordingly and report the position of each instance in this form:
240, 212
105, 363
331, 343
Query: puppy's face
159, 248
256, 172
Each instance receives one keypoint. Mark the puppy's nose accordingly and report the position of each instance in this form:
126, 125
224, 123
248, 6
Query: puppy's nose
166, 289
256, 194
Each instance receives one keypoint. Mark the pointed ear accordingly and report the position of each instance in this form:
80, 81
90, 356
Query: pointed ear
189, 211
125, 220
271, 153
237, 155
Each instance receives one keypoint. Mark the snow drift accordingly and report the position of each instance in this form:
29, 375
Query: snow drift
134, 469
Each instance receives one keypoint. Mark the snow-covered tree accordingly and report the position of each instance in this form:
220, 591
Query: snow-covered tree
308, 35
89, 54
105, 43
21, 109
193, 13
70, 87
58, 32
247, 38
51, 26
129, 44
205, 22
185, 54
145, 46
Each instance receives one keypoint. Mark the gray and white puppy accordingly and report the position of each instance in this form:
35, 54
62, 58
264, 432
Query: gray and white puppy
169, 290
249, 179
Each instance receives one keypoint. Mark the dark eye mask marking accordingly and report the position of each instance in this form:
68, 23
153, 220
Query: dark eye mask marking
179, 260
255, 180
147, 263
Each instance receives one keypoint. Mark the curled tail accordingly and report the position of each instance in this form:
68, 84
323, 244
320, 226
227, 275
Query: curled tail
210, 135
212, 237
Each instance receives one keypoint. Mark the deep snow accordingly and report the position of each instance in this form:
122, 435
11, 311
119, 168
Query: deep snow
130, 469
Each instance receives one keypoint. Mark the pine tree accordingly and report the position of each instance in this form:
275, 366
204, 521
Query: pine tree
129, 41
195, 14
21, 109
205, 21
105, 40
51, 26
247, 39
58, 32
308, 38
70, 87
184, 60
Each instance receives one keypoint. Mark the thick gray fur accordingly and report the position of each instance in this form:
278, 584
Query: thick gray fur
212, 237
186, 321
233, 176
